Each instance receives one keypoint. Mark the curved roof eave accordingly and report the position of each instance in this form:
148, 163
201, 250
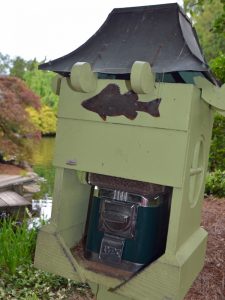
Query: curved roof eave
159, 34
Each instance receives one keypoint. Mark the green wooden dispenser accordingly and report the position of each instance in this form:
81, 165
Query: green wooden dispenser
135, 116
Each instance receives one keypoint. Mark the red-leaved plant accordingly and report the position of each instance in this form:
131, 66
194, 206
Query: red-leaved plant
16, 128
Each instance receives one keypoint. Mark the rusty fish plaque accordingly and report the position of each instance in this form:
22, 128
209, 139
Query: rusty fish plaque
110, 103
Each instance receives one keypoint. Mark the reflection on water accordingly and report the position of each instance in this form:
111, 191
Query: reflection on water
43, 152
42, 165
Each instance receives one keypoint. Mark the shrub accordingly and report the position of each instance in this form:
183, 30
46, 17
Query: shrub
215, 183
44, 119
217, 151
15, 98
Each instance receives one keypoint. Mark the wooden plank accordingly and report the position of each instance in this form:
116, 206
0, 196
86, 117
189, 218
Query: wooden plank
3, 203
12, 199
52, 256
132, 152
8, 180
174, 107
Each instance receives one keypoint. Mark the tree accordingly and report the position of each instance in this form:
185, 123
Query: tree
16, 129
5, 64
40, 83
208, 19
20, 66
218, 66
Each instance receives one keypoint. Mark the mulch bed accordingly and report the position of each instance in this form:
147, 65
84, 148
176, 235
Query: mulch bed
8, 169
210, 284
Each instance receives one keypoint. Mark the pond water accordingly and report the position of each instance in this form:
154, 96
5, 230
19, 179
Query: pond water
43, 152
42, 164
42, 157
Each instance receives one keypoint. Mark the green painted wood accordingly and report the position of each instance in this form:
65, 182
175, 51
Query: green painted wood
169, 277
82, 77
142, 78
200, 130
98, 278
183, 207
50, 255
212, 94
221, 112
103, 294
174, 108
170, 150
192, 264
56, 84
159, 281
132, 152
70, 205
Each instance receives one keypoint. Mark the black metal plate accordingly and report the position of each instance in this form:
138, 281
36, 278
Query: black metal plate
160, 34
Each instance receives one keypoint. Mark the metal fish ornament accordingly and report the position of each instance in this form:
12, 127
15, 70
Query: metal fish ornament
110, 103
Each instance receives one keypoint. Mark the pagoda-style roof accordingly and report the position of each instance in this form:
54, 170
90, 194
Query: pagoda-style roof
160, 34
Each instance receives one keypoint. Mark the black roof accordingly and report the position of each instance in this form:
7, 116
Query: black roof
159, 34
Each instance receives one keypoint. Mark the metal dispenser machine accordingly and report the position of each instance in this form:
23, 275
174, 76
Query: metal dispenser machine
135, 119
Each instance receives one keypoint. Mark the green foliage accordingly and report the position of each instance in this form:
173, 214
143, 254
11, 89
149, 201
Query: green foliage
48, 173
219, 22
218, 66
217, 151
19, 279
18, 67
15, 67
207, 18
37, 81
193, 7
215, 183
40, 83
17, 244
5, 64
44, 119
30, 284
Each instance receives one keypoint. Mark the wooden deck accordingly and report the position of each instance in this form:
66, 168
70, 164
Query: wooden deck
10, 180
12, 199
15, 190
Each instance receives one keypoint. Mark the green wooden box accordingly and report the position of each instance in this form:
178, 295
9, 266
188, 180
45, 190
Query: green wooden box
169, 148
